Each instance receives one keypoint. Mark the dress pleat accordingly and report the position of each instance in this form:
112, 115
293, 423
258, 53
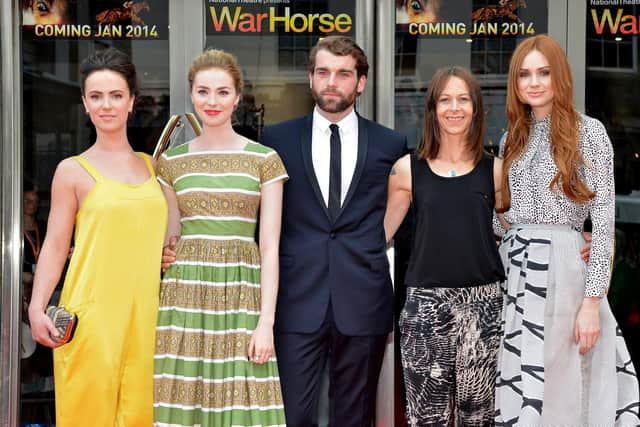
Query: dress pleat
542, 378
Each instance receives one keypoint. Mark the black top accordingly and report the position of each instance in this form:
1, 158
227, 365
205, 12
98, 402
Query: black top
454, 245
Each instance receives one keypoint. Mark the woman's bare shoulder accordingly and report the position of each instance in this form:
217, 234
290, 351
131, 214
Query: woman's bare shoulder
403, 164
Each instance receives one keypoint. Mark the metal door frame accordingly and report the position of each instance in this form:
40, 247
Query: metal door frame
10, 211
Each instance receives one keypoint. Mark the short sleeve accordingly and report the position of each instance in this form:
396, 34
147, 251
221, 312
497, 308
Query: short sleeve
164, 171
272, 169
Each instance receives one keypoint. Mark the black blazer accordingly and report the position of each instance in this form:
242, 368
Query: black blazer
342, 262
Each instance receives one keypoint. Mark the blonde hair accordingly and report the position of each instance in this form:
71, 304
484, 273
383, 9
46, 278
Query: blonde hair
565, 122
217, 58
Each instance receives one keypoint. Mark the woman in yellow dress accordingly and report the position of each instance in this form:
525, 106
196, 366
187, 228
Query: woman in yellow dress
104, 375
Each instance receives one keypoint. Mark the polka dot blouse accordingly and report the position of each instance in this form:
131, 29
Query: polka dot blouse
532, 202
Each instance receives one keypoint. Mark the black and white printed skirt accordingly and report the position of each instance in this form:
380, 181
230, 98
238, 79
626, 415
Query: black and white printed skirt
542, 378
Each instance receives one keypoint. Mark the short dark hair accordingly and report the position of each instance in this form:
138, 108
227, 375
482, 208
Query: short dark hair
110, 59
430, 142
340, 46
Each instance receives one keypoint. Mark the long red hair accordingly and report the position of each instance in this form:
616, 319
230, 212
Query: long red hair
565, 122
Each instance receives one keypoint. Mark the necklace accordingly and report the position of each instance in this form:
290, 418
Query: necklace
452, 172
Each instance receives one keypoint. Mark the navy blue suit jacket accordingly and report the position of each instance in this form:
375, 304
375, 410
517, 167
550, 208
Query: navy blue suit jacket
343, 262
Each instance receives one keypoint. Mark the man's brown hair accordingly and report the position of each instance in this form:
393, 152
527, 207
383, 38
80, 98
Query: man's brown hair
340, 46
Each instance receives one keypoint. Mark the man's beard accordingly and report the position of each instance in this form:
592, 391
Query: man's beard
334, 105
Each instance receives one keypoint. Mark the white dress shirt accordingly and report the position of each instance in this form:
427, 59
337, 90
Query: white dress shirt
321, 150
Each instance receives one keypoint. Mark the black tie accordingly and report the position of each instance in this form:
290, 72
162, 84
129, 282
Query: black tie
335, 173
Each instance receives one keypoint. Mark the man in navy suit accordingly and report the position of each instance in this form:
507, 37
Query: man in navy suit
335, 298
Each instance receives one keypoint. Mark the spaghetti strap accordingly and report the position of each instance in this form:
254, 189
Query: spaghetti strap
147, 160
89, 168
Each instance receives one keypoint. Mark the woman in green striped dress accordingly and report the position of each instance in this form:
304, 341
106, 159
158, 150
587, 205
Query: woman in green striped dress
214, 361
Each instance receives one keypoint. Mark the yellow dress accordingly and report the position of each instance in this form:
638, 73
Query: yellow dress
104, 375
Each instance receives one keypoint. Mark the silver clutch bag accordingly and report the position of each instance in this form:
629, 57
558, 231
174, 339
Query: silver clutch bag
64, 321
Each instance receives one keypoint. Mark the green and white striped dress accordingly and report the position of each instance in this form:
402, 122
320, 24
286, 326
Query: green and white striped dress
210, 297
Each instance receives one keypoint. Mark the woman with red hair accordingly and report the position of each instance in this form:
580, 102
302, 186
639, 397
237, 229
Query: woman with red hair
562, 359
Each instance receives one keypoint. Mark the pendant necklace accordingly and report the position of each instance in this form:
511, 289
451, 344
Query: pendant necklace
452, 173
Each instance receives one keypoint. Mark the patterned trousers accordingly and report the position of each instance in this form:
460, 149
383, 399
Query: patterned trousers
449, 338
